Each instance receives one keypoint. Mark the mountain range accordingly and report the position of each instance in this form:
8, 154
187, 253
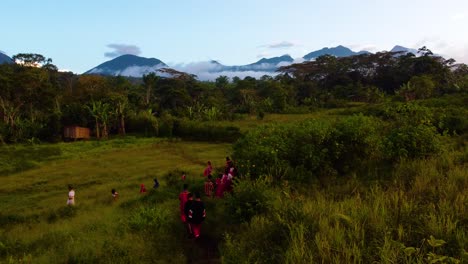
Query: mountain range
339, 51
135, 66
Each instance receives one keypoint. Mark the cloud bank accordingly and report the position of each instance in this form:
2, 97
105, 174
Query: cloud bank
209, 71
122, 49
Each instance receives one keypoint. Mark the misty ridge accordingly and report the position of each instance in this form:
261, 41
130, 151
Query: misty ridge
124, 64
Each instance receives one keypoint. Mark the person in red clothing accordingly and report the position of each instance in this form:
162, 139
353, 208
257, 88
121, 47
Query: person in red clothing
142, 188
183, 198
219, 186
208, 169
209, 186
196, 215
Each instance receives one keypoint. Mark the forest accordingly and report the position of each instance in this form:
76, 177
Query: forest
37, 101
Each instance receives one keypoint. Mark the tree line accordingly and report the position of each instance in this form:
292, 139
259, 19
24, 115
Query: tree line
37, 100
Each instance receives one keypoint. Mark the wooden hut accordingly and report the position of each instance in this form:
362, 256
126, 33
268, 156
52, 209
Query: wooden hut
76, 132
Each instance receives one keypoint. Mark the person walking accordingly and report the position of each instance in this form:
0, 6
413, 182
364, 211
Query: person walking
208, 169
183, 198
115, 195
71, 195
196, 215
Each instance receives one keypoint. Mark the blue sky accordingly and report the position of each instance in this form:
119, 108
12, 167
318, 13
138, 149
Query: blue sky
77, 35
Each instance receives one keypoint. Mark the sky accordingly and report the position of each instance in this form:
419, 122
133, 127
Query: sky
80, 34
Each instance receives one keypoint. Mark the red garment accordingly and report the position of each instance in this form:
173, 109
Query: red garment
142, 188
183, 177
195, 229
209, 188
183, 198
220, 190
207, 171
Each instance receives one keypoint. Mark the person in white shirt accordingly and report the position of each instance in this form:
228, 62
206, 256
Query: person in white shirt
71, 196
115, 194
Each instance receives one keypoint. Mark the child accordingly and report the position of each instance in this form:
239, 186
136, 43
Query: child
208, 169
115, 194
71, 195
183, 177
196, 215
183, 198
156, 183
142, 188
209, 186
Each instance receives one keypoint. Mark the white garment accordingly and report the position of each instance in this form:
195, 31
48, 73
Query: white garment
71, 197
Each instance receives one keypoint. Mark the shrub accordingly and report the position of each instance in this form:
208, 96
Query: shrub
144, 122
249, 198
413, 141
298, 151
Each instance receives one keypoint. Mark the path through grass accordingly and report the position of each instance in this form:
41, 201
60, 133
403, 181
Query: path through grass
36, 225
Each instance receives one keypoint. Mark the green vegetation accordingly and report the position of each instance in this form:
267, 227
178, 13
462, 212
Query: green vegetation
36, 224
340, 160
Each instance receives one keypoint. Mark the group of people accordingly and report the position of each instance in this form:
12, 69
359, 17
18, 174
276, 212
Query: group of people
115, 194
224, 181
192, 209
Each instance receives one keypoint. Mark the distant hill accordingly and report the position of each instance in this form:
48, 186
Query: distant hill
404, 50
264, 64
128, 65
339, 51
5, 59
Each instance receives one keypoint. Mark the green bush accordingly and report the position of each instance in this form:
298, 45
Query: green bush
249, 198
144, 122
413, 141
299, 151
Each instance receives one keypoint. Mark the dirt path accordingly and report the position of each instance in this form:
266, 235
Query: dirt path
202, 250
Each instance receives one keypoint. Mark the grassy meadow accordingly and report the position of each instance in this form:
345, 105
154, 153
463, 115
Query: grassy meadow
38, 227
410, 211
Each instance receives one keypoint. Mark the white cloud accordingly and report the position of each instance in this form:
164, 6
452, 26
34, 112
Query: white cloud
299, 60
359, 47
209, 71
122, 49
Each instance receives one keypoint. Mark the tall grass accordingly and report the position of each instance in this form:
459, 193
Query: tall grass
377, 223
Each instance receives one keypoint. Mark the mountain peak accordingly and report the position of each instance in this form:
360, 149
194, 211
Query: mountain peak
404, 50
275, 60
5, 59
338, 51
128, 65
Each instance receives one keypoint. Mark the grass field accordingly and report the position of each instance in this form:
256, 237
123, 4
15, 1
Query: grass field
389, 218
37, 227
